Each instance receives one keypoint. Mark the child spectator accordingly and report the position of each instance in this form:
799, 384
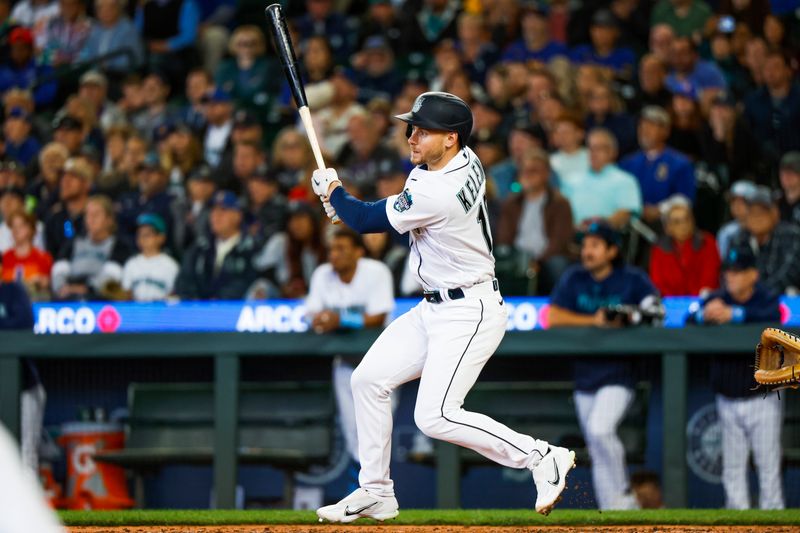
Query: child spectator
12, 200
24, 262
150, 275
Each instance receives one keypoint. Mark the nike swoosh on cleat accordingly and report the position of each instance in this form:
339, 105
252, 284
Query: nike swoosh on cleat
348, 512
558, 477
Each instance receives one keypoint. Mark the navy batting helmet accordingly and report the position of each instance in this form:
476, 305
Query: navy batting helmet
440, 111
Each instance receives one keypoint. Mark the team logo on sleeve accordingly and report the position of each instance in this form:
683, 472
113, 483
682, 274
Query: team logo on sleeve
403, 201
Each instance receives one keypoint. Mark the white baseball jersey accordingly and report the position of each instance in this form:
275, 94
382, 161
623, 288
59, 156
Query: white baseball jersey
445, 215
370, 291
150, 278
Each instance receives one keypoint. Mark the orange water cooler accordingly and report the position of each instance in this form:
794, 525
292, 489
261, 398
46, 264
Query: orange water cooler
92, 485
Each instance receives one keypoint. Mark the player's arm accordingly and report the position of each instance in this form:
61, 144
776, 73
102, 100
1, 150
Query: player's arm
364, 217
560, 316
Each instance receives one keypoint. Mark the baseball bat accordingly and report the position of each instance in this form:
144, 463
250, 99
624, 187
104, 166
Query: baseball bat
283, 45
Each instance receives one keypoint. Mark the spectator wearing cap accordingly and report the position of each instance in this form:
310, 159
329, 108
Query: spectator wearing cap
12, 200
12, 174
738, 197
685, 261
776, 244
538, 221
603, 50
535, 42
113, 32
25, 261
169, 30
249, 77
288, 259
155, 91
220, 266
605, 191
248, 160
151, 197
219, 124
365, 157
789, 202
20, 144
65, 34
702, 77
748, 417
88, 265
266, 207
650, 89
198, 83
687, 18
605, 110
660, 170
43, 190
150, 275
321, 18
570, 161
375, 70
773, 111
65, 219
21, 71
200, 189
430, 22
604, 386
247, 128
94, 89
69, 132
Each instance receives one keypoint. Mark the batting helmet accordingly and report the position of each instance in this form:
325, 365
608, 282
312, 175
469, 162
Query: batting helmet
440, 111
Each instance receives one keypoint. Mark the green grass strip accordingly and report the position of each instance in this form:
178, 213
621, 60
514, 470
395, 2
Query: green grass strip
487, 517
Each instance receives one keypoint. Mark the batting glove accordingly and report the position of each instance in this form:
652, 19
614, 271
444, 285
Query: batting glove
329, 210
322, 179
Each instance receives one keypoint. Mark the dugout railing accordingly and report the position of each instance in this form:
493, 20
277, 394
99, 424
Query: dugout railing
672, 346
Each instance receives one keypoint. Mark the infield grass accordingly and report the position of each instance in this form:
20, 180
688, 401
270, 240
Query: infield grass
487, 517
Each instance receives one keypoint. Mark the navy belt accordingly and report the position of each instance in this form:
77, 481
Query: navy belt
435, 296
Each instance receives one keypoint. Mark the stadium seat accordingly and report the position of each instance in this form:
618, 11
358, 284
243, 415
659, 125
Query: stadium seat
286, 425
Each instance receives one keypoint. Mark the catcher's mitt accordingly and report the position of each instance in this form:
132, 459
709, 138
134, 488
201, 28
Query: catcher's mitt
778, 360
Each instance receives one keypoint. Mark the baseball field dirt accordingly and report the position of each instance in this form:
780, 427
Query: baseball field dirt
388, 528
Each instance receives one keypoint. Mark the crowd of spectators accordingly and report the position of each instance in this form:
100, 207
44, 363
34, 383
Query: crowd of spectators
151, 149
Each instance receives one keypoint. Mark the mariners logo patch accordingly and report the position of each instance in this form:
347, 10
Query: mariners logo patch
403, 201
417, 104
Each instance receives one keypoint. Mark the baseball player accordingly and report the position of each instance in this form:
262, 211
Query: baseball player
447, 338
348, 292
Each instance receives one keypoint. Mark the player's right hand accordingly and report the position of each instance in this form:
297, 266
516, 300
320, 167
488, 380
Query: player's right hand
322, 179
330, 212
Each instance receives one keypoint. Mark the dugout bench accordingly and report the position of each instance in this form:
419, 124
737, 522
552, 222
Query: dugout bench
286, 425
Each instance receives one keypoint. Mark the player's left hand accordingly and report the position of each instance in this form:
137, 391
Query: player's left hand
322, 179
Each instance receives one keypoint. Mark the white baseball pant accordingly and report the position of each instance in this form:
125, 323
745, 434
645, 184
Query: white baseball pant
600, 413
342, 374
751, 424
446, 345
22, 505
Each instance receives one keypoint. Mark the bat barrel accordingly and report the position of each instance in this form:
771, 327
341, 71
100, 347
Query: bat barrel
283, 45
